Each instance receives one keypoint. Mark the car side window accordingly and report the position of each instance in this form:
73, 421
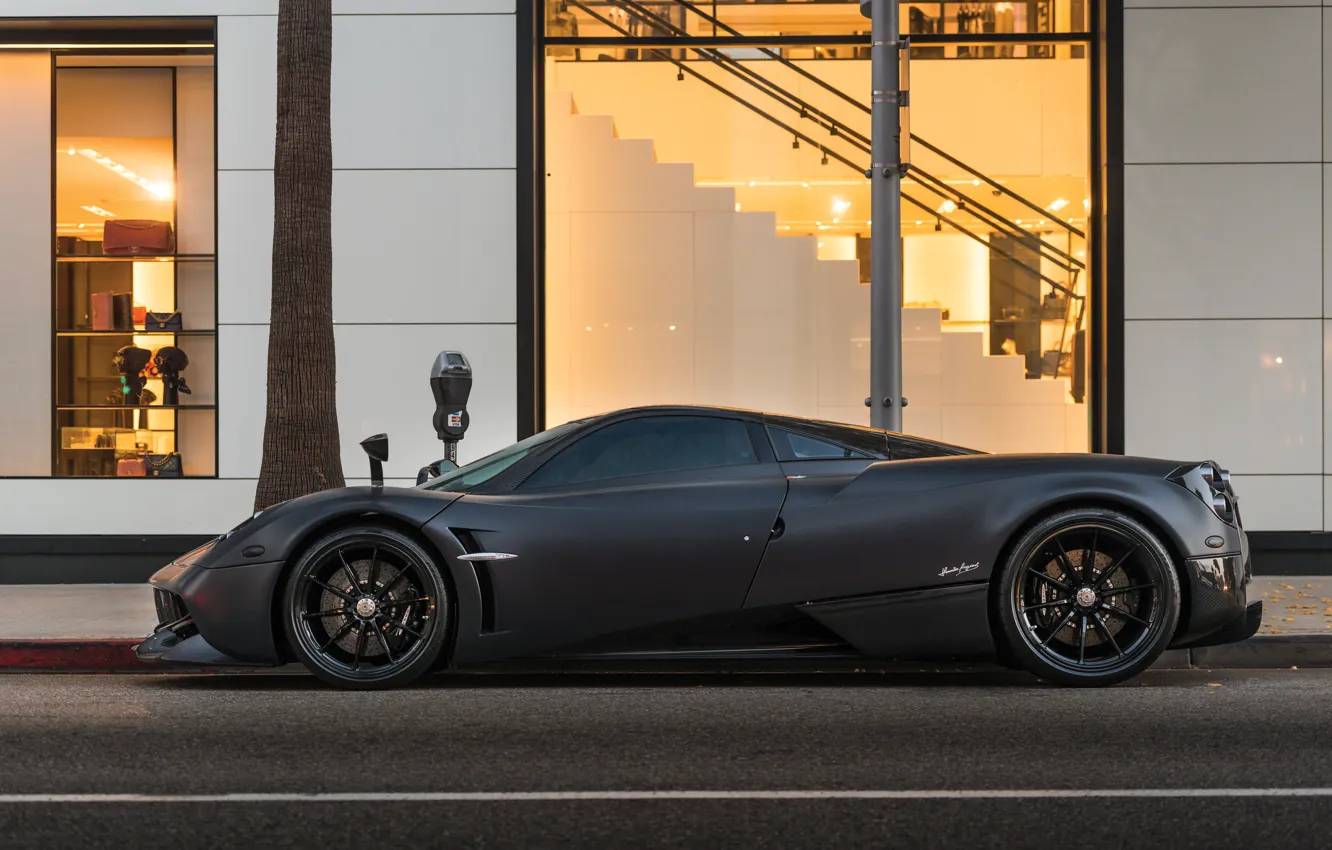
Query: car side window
790, 445
647, 445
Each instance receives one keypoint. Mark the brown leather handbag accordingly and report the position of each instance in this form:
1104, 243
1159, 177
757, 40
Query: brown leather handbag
135, 236
132, 467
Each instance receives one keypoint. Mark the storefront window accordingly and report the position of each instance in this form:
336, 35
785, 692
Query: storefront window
707, 219
135, 270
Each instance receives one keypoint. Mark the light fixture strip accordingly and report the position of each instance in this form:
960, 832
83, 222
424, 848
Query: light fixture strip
161, 191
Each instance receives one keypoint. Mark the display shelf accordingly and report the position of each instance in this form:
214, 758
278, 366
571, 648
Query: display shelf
187, 332
149, 407
136, 258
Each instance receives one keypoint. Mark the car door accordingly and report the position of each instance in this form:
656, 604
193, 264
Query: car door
642, 522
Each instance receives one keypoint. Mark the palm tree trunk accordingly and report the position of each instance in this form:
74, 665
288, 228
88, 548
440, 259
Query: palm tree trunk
302, 453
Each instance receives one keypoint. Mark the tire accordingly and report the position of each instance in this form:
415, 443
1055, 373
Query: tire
366, 608
1081, 627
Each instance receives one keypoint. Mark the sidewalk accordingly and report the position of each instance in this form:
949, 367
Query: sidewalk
97, 626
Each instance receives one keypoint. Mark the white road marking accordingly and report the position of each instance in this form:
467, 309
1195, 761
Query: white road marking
569, 796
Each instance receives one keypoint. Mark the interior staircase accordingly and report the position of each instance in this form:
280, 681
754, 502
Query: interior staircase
660, 291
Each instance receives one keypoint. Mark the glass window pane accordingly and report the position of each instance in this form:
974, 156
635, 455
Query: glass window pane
648, 445
793, 446
708, 222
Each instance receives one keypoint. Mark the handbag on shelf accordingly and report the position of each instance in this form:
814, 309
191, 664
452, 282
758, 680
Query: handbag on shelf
106, 307
164, 466
131, 467
122, 311
1054, 306
140, 315
162, 321
137, 236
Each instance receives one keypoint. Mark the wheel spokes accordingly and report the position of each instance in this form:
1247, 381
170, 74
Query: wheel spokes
1082, 639
1044, 605
374, 562
388, 584
1054, 581
1109, 635
351, 574
1110, 570
1121, 612
360, 647
1056, 629
1089, 558
332, 612
1118, 591
331, 589
383, 641
337, 637
1065, 564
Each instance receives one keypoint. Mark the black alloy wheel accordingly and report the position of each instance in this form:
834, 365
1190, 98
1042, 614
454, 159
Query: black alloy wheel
365, 607
1088, 597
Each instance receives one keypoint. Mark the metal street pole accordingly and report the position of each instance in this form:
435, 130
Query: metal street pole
885, 401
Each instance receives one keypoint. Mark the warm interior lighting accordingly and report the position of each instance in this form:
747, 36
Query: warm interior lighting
1057, 205
96, 210
949, 206
106, 46
840, 206
161, 190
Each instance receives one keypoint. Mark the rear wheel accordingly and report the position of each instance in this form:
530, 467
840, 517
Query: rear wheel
1089, 597
365, 607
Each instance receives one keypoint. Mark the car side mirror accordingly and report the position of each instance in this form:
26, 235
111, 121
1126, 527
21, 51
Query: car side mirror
377, 447
435, 470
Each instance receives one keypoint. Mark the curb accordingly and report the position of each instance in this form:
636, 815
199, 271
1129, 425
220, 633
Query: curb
107, 655
116, 655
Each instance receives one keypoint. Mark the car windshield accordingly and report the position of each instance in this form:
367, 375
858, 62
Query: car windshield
465, 478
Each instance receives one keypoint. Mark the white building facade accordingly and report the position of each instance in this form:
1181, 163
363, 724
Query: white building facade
468, 214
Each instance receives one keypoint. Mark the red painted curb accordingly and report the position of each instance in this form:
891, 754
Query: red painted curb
111, 655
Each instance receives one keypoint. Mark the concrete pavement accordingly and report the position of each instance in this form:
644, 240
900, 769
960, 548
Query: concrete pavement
94, 627
1158, 742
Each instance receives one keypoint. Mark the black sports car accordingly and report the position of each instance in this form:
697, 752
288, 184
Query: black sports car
705, 533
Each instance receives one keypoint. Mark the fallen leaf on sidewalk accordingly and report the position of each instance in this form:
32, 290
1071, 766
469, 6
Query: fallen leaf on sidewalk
1287, 586
1288, 619
1213, 684
1307, 586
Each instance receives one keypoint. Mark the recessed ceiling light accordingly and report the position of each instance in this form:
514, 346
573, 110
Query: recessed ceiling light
161, 190
96, 210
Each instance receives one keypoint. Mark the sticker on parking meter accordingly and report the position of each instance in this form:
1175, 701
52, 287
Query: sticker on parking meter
455, 420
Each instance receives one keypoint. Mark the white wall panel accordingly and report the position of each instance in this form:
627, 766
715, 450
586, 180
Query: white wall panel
1280, 502
424, 246
424, 91
247, 91
1222, 85
133, 8
422, 7
183, 506
1223, 241
1247, 394
243, 393
245, 245
384, 385
25, 261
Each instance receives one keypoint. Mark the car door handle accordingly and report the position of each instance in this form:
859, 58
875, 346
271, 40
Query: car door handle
487, 556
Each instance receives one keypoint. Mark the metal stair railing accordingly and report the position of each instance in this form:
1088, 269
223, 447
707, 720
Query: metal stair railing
1072, 296
858, 140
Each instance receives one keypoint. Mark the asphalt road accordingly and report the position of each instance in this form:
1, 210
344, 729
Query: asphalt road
1171, 733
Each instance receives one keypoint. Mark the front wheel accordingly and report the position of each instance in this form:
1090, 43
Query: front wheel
1089, 597
365, 607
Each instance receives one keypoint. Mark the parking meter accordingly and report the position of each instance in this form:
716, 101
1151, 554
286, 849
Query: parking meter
451, 382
